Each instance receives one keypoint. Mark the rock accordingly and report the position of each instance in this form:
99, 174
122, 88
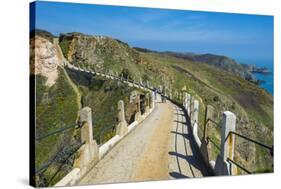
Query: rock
44, 59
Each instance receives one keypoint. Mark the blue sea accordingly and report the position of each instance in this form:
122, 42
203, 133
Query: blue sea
268, 78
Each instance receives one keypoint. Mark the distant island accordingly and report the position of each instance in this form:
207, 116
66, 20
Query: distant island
254, 69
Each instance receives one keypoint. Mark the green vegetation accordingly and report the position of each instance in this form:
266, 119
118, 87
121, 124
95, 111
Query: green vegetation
55, 108
64, 45
209, 83
102, 97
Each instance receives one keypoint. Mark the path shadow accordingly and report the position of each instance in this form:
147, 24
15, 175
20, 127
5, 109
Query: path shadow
184, 123
196, 159
177, 175
187, 136
189, 159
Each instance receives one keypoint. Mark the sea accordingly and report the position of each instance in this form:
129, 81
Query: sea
268, 78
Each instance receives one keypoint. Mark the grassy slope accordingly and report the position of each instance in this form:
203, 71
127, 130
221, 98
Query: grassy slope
252, 105
102, 97
56, 107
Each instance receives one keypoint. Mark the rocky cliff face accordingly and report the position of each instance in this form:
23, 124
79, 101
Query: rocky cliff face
97, 51
44, 59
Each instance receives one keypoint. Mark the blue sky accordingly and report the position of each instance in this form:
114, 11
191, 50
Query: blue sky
240, 36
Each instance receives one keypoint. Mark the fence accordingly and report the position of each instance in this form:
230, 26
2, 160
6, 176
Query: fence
61, 158
224, 163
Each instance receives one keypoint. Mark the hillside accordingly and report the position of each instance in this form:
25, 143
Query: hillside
219, 61
212, 84
60, 93
199, 75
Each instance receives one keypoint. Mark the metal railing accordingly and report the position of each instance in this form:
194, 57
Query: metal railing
61, 157
212, 121
270, 148
56, 132
238, 165
231, 161
212, 141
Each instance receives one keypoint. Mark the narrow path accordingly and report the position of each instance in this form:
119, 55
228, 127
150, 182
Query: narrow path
63, 62
184, 159
160, 148
142, 155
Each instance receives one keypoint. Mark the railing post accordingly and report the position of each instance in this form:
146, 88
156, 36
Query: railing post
181, 96
147, 102
89, 152
152, 99
209, 115
227, 139
194, 112
191, 107
222, 166
186, 101
85, 121
188, 98
138, 109
122, 127
195, 123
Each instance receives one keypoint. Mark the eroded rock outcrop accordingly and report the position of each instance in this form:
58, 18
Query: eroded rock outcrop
44, 59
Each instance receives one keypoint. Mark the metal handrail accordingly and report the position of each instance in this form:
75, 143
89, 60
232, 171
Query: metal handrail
210, 140
216, 123
50, 162
65, 160
238, 165
56, 132
253, 141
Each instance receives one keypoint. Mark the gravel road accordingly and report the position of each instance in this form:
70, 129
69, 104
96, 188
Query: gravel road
157, 149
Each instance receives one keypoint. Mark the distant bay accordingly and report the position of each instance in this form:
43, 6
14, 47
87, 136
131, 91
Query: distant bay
268, 78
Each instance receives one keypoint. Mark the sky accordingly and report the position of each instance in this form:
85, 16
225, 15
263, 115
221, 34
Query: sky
239, 36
